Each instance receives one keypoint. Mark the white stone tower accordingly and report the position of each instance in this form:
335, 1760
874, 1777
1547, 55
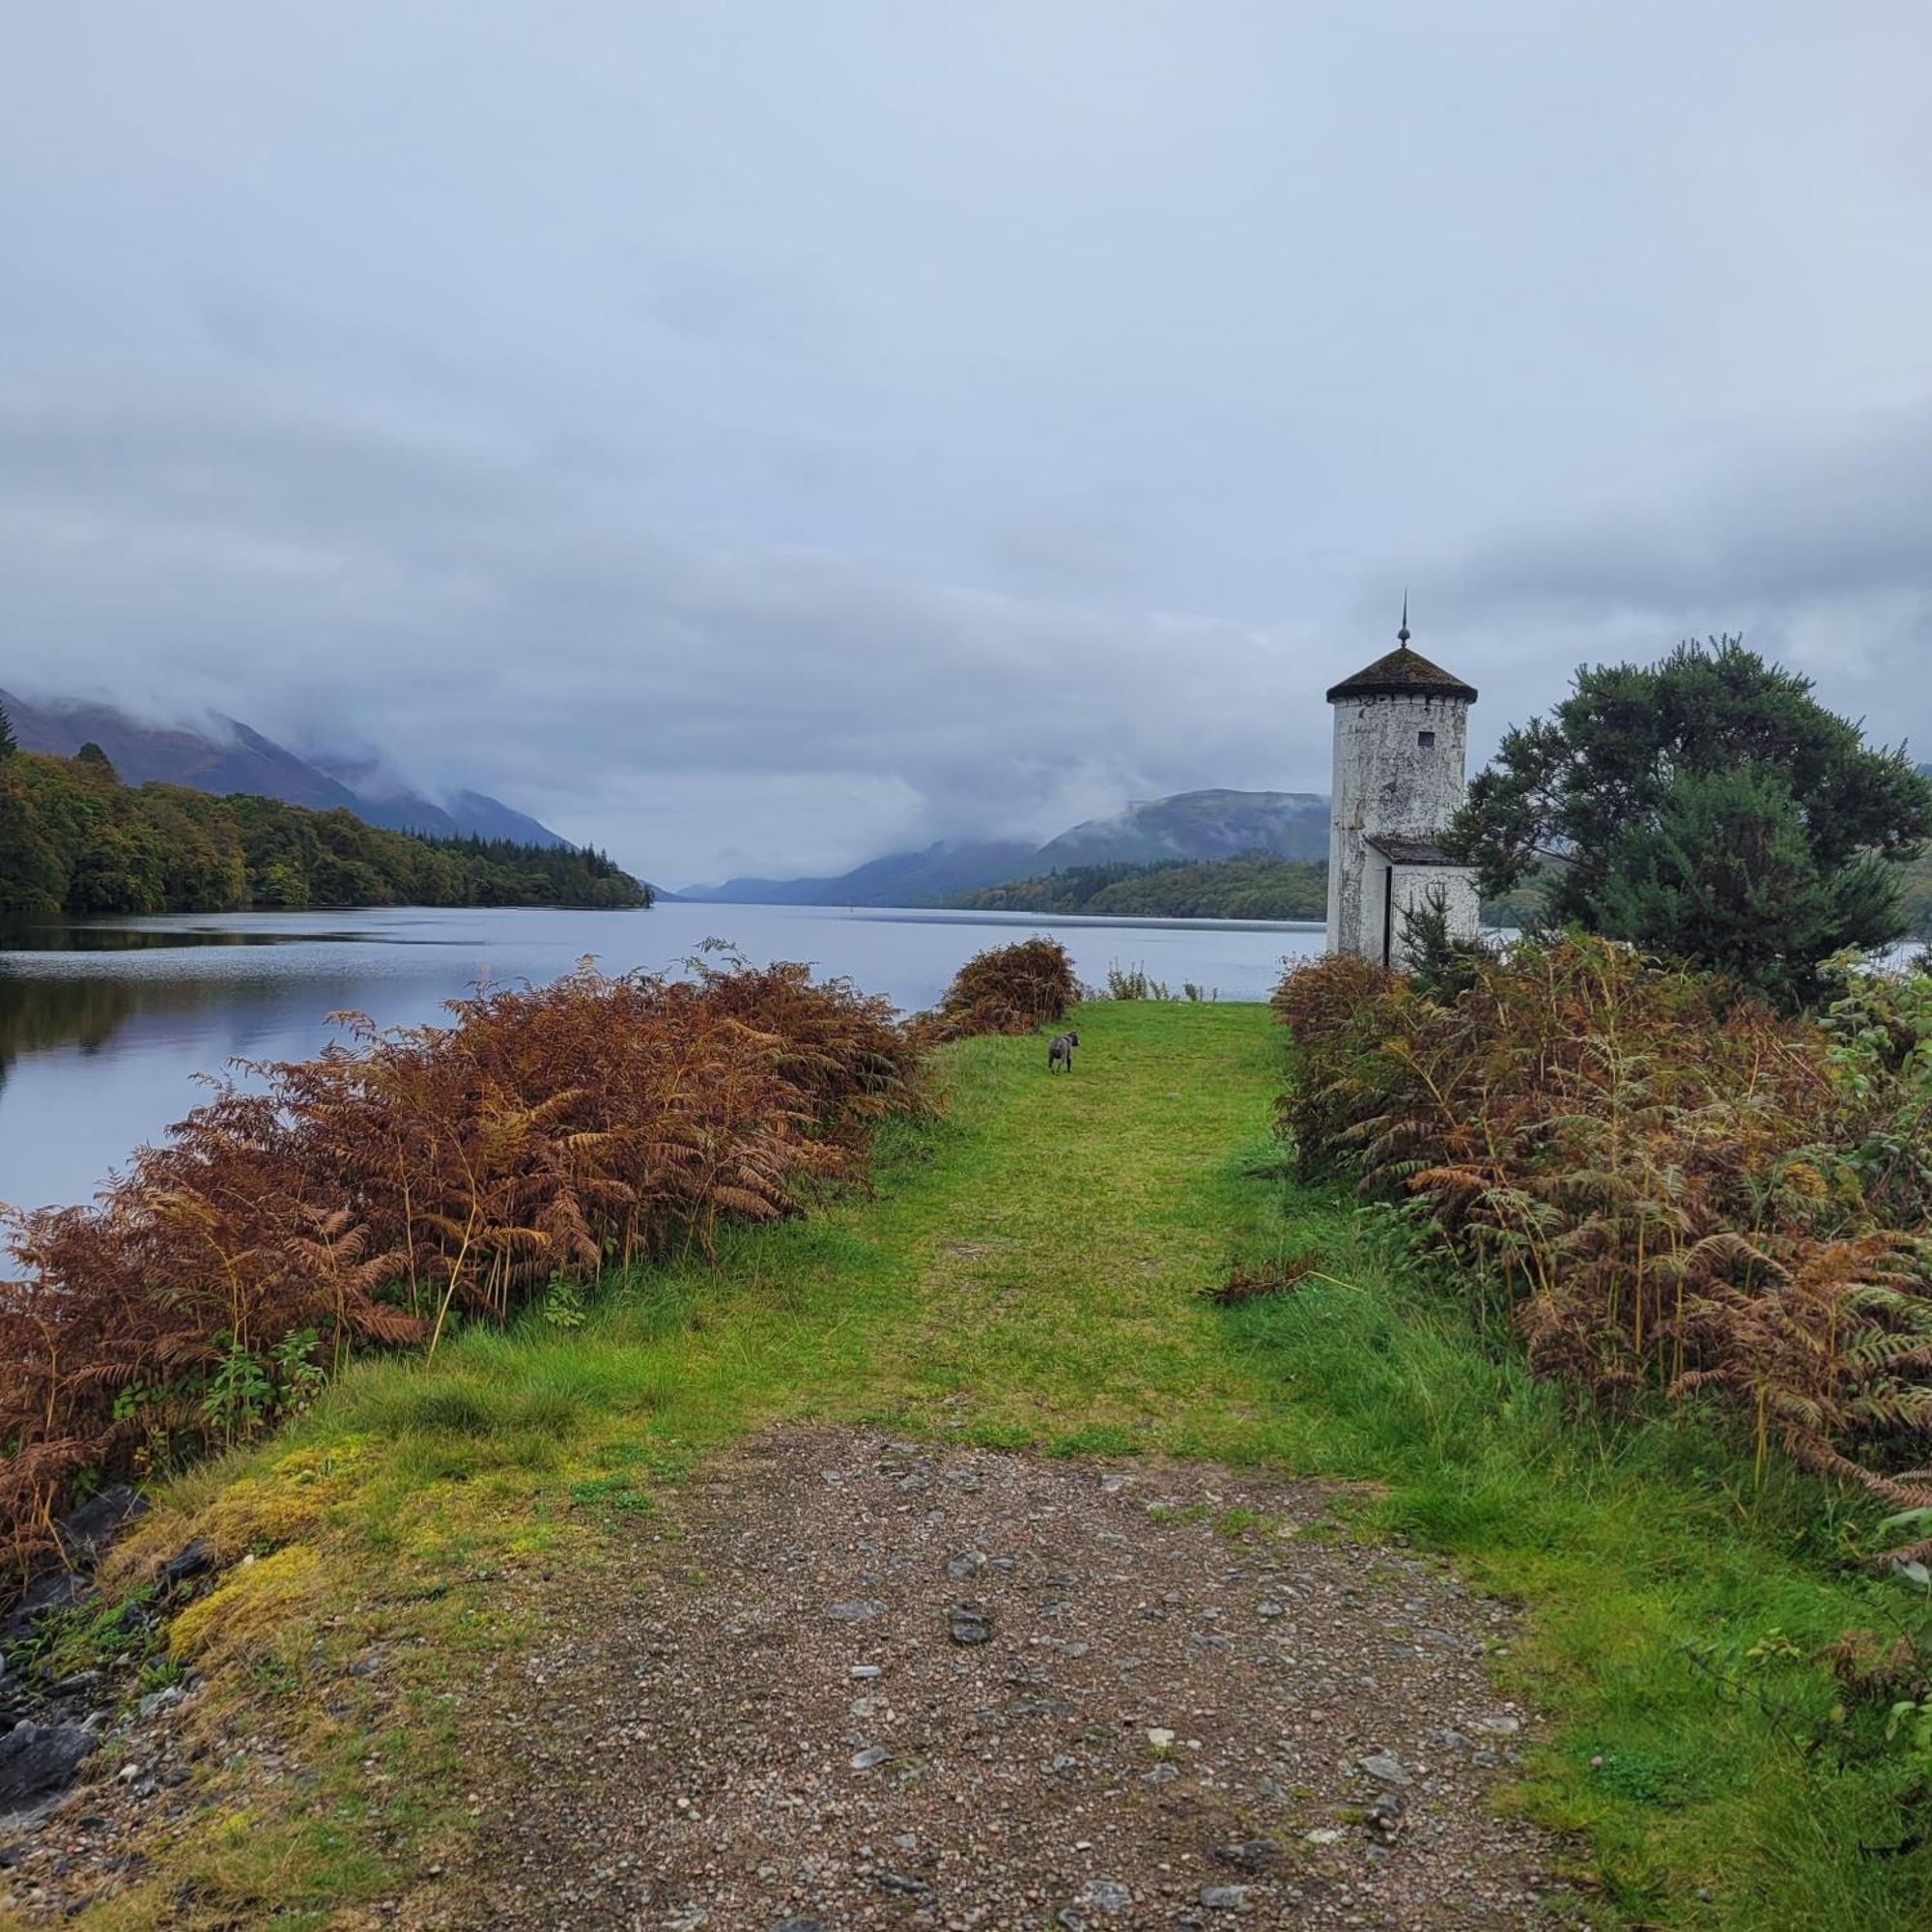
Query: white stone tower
1402, 728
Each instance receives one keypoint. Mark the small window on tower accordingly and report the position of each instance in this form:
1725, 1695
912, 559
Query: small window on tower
1426, 739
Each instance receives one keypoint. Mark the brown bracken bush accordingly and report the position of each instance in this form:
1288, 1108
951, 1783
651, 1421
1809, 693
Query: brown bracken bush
1006, 989
1673, 1187
411, 1176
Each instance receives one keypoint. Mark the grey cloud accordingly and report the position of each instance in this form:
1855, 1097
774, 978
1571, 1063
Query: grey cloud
755, 437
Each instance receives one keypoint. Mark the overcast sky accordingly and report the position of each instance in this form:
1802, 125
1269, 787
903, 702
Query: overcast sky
758, 436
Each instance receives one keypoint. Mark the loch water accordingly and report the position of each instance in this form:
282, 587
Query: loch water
105, 1026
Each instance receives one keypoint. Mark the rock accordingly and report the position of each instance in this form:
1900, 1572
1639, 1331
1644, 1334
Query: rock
863, 1670
86, 1533
968, 1563
1252, 1854
905, 1887
37, 1761
859, 1610
872, 1756
192, 1559
56, 1590
1499, 1727
799, 1926
135, 1615
1160, 1738
1225, 1897
1386, 1766
1104, 1894
1327, 1834
1384, 1816
970, 1623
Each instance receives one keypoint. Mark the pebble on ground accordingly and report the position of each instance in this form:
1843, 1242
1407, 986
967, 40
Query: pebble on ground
890, 1684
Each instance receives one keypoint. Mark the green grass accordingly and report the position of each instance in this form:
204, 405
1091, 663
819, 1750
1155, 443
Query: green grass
1026, 1273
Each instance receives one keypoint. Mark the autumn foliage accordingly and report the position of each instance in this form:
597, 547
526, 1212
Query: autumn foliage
413, 1177
1672, 1187
1006, 989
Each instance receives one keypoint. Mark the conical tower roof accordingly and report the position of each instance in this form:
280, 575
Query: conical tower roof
1402, 673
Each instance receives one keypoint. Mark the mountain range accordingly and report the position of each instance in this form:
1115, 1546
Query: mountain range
1190, 825
232, 756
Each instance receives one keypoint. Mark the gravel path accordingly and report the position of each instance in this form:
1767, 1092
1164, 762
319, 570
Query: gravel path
852, 1681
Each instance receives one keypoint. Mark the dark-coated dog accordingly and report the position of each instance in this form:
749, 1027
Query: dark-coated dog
1060, 1051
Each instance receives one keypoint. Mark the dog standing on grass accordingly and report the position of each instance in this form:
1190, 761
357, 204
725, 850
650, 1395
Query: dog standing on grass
1060, 1051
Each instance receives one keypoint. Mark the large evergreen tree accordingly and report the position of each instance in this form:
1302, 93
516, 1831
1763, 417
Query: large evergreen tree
9, 744
1706, 807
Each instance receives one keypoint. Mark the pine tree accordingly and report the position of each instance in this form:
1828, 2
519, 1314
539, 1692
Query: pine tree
9, 744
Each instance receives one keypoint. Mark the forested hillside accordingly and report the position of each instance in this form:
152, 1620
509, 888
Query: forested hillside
74, 840
224, 756
1253, 887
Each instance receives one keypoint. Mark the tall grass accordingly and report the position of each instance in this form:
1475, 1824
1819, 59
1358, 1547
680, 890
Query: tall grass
414, 1175
1663, 1186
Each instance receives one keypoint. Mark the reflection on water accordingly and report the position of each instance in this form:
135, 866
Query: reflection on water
36, 1015
92, 1011
71, 935
105, 1029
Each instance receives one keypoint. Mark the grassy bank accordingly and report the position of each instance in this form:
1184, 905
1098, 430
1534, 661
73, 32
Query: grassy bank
1026, 1271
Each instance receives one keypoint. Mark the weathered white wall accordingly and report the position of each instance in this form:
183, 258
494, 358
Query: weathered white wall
1415, 887
1388, 785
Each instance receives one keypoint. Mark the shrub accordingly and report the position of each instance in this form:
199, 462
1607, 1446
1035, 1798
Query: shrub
1134, 982
1006, 989
1670, 1186
368, 1195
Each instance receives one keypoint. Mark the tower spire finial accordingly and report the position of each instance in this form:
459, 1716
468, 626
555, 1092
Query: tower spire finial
1402, 636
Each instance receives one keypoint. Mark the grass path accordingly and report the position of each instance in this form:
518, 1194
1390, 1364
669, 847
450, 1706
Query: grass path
1025, 1273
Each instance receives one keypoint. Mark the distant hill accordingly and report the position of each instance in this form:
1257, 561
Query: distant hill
930, 877
236, 758
384, 800
1196, 825
1189, 827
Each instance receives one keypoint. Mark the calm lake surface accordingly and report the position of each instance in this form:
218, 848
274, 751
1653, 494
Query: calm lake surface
103, 1027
